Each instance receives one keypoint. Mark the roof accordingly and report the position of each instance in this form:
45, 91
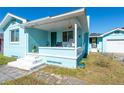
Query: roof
49, 20
8, 17
101, 35
95, 35
120, 29
60, 17
52, 23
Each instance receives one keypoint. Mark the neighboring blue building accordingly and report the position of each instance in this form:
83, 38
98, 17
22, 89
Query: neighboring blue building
59, 40
110, 42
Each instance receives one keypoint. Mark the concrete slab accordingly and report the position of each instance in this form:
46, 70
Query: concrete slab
10, 73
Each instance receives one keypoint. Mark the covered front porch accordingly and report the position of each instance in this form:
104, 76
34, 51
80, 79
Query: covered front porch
58, 36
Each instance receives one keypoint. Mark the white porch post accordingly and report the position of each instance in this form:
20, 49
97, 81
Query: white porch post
75, 30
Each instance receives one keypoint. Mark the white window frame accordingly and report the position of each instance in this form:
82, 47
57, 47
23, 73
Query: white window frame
14, 42
67, 35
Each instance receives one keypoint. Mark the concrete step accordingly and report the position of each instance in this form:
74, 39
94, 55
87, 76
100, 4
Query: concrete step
28, 62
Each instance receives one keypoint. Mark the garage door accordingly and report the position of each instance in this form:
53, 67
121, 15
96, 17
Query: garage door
115, 45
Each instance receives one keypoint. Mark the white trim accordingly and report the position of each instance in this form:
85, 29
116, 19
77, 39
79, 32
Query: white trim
14, 42
72, 13
120, 29
37, 20
11, 15
66, 57
95, 36
69, 13
75, 30
22, 19
62, 48
111, 31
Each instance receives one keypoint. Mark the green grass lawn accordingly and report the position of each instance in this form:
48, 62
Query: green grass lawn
4, 60
99, 69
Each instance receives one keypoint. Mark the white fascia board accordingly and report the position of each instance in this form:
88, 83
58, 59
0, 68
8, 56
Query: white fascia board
53, 17
111, 31
22, 19
37, 20
95, 36
69, 13
11, 15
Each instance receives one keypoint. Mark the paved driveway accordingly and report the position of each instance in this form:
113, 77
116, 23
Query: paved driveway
10, 73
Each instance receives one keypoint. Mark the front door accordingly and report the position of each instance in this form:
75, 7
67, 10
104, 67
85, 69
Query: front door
53, 38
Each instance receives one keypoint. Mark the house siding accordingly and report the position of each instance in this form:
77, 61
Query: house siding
112, 35
99, 44
102, 41
36, 37
14, 49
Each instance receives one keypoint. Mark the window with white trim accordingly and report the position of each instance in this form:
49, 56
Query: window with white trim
14, 34
68, 35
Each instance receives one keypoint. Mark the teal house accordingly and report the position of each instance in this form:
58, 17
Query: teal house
60, 40
109, 42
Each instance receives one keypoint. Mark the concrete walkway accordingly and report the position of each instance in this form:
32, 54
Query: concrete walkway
10, 73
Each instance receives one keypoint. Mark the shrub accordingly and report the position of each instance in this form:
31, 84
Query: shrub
103, 62
4, 60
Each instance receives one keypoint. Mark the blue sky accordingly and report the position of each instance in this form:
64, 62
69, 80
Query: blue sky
32, 13
105, 19
101, 19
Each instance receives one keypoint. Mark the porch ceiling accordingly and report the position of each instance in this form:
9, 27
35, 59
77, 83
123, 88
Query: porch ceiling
56, 25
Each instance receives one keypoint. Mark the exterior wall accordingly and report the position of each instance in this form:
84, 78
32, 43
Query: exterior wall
53, 51
112, 36
14, 49
102, 41
59, 61
80, 37
99, 45
85, 44
36, 37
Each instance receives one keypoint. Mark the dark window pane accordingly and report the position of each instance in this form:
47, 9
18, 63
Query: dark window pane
70, 35
15, 35
12, 36
64, 36
93, 40
90, 40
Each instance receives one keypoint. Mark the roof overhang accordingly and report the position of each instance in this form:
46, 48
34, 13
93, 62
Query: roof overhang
8, 17
120, 29
95, 36
56, 21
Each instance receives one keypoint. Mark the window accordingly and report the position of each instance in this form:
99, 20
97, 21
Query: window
68, 35
15, 35
94, 42
64, 36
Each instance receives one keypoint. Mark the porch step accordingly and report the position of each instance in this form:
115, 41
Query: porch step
29, 62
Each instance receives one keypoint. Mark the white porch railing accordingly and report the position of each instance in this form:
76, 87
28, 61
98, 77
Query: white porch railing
79, 51
64, 52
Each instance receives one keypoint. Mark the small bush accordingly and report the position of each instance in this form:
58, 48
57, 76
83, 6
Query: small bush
4, 60
103, 62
